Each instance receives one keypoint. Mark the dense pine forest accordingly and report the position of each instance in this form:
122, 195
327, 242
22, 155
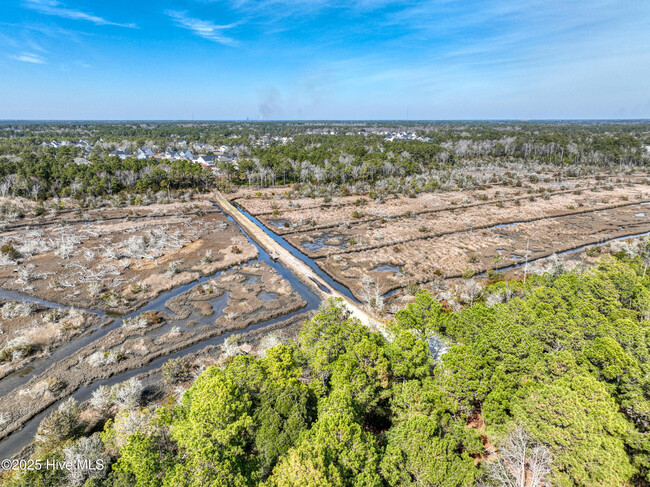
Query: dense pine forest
553, 374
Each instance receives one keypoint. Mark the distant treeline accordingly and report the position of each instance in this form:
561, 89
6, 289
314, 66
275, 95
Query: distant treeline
316, 153
46, 175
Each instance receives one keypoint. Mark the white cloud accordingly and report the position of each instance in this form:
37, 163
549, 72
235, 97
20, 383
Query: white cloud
54, 7
29, 57
203, 28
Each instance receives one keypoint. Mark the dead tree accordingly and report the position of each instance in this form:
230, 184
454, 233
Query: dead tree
521, 461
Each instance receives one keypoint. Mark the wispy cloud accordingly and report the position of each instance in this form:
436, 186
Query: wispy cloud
29, 57
203, 28
56, 8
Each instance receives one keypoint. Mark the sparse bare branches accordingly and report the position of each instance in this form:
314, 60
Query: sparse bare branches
521, 462
371, 293
127, 394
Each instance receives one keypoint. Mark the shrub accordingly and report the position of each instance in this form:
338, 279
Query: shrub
59, 426
135, 323
110, 299
101, 359
85, 450
102, 398
138, 287
177, 370
494, 276
10, 251
594, 251
54, 385
12, 309
207, 258
173, 268
128, 394
468, 273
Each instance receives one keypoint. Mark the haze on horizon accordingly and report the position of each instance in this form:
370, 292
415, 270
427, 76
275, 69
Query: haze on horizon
312, 59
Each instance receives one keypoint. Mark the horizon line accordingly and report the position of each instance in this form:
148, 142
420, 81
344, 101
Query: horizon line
225, 120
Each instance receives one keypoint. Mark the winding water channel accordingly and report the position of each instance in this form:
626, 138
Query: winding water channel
22, 437
15, 442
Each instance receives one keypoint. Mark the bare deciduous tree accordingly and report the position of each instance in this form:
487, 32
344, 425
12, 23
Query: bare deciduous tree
6, 184
128, 393
371, 293
521, 462
85, 451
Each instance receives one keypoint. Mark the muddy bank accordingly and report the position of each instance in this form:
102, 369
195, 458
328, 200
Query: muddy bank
151, 335
29, 331
255, 292
157, 391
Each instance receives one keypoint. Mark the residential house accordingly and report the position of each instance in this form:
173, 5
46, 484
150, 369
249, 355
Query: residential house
206, 161
144, 153
184, 155
122, 154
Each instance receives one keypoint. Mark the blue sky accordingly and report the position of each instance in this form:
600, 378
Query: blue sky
314, 59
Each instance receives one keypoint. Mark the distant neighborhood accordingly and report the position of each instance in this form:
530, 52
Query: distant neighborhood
204, 154
219, 154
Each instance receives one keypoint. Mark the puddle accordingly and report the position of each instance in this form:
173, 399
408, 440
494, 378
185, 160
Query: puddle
324, 242
280, 223
266, 296
252, 280
386, 267
639, 214
21, 372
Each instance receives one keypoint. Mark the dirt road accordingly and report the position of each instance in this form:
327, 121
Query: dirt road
302, 270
